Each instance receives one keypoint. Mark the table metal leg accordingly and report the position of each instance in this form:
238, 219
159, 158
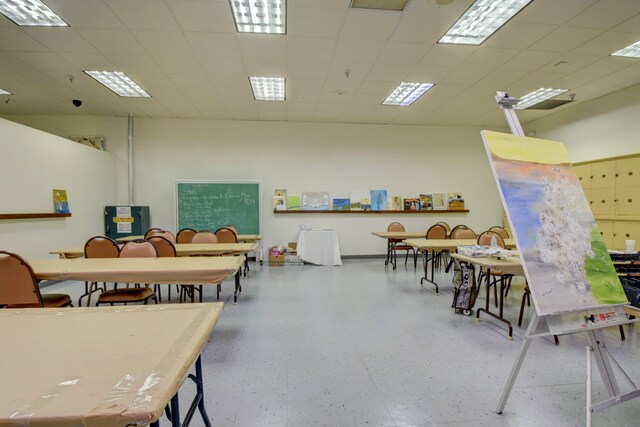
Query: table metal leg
238, 288
500, 305
426, 259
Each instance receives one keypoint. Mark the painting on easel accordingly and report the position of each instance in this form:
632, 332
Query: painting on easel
565, 260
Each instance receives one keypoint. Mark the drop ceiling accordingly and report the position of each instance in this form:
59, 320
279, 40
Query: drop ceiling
339, 63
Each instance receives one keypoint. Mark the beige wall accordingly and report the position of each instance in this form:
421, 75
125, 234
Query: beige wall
338, 158
605, 127
32, 164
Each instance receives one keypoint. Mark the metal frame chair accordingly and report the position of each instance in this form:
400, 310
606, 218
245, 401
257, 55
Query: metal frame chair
185, 235
98, 247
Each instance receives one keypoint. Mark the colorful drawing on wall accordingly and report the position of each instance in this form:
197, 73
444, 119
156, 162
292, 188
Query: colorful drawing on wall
378, 200
565, 260
411, 204
279, 203
315, 201
396, 203
360, 200
426, 202
455, 201
439, 202
341, 204
60, 203
293, 203
281, 193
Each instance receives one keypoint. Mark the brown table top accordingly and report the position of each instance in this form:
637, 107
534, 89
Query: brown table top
64, 372
507, 266
179, 271
399, 234
241, 238
450, 244
182, 249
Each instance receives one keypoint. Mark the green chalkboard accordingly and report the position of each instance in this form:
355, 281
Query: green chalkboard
209, 205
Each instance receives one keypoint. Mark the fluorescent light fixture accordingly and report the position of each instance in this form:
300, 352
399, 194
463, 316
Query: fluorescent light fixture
118, 82
538, 96
30, 13
632, 51
260, 16
395, 5
481, 20
4, 92
406, 93
268, 88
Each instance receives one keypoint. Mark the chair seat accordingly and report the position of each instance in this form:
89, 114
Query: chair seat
49, 300
125, 295
403, 247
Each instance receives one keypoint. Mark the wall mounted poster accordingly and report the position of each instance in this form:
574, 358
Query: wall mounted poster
315, 201
396, 203
341, 204
60, 203
426, 202
360, 200
565, 260
293, 203
455, 201
411, 204
378, 200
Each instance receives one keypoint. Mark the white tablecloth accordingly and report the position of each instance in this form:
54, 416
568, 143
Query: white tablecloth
319, 247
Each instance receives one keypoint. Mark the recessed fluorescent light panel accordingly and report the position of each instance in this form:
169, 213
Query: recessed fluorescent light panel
119, 83
260, 16
4, 92
538, 96
481, 20
30, 13
395, 5
268, 88
632, 51
406, 93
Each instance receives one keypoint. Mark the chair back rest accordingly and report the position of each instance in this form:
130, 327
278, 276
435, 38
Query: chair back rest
226, 235
484, 239
500, 230
166, 234
436, 231
445, 225
150, 232
462, 232
18, 283
138, 249
235, 230
163, 246
101, 247
204, 237
395, 226
185, 235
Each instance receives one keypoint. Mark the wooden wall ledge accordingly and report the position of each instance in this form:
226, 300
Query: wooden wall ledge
371, 212
33, 215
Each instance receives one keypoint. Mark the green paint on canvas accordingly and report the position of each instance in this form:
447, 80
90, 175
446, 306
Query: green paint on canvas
605, 284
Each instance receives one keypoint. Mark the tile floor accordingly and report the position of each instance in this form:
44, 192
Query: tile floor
358, 345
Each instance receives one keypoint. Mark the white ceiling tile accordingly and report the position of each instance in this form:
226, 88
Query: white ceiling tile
85, 13
403, 53
428, 74
179, 64
553, 11
534, 81
234, 88
307, 69
519, 35
341, 87
263, 47
219, 45
378, 88
130, 63
607, 43
314, 22
369, 25
311, 49
144, 14
87, 61
565, 39
304, 91
631, 25
426, 22
162, 43
325, 4
242, 110
600, 87
530, 60
357, 51
606, 14
202, 15
389, 73
446, 90
44, 60
112, 41
12, 39
266, 67
338, 70
364, 108
222, 66
446, 55
631, 71
63, 39
568, 63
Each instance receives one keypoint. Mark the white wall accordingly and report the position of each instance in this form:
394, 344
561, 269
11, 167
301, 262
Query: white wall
32, 164
608, 126
338, 158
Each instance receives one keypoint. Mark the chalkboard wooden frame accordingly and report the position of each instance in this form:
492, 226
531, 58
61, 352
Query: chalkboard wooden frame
213, 187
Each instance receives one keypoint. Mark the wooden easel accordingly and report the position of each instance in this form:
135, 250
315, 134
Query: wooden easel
590, 321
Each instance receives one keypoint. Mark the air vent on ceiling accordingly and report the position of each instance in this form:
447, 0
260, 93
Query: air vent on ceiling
395, 5
549, 104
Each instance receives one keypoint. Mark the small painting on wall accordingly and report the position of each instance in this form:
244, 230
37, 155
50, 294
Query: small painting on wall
60, 203
315, 201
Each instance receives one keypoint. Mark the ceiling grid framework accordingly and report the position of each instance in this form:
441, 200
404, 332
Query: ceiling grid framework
189, 57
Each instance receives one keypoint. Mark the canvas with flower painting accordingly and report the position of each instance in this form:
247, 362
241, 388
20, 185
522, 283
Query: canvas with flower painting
565, 260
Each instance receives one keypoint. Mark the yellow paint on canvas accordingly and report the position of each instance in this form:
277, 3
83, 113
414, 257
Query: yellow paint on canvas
522, 148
